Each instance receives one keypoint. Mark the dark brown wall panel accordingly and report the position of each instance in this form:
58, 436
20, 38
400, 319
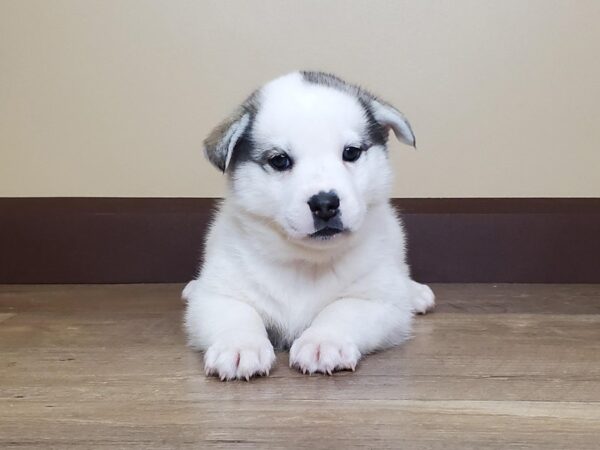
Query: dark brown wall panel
135, 240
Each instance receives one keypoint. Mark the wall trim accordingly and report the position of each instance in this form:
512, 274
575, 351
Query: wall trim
156, 240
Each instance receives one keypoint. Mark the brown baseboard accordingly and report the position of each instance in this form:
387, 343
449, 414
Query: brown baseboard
154, 240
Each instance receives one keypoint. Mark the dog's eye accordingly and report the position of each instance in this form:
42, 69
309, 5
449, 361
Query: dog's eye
351, 154
280, 162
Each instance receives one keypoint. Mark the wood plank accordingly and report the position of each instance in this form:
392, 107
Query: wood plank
5, 316
107, 367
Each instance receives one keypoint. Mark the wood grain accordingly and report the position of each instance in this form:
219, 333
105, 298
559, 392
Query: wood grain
496, 366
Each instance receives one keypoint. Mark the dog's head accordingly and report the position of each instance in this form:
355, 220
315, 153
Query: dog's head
307, 153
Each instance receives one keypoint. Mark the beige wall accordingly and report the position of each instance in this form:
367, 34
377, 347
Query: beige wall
113, 97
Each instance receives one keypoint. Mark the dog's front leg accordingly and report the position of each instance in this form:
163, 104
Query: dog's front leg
231, 333
347, 329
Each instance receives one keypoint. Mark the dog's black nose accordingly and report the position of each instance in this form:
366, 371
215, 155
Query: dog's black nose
324, 205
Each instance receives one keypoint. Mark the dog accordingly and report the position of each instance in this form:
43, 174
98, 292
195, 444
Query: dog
305, 253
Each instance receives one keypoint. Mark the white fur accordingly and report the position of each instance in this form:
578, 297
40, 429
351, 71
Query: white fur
335, 300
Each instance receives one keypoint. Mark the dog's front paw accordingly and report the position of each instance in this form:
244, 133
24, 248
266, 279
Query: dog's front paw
316, 351
422, 299
240, 356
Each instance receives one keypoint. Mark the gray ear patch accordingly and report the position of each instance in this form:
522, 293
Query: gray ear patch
391, 118
220, 144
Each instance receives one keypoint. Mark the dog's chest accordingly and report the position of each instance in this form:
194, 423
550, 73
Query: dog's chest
289, 298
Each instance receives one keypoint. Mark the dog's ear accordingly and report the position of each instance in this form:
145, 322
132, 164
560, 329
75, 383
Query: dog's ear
221, 142
390, 118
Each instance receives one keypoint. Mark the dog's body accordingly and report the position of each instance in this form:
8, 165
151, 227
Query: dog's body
306, 250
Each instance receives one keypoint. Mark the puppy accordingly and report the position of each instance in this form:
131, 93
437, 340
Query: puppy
306, 251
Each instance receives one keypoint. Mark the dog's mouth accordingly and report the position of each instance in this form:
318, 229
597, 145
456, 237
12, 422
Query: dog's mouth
326, 233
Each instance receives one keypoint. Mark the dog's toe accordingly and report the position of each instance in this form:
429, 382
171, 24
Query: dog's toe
312, 353
241, 357
422, 299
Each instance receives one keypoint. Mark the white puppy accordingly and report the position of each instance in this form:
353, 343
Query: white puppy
306, 250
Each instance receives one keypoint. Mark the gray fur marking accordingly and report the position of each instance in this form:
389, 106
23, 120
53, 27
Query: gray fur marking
376, 133
216, 146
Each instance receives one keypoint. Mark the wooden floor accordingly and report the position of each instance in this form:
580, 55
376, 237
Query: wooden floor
496, 366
